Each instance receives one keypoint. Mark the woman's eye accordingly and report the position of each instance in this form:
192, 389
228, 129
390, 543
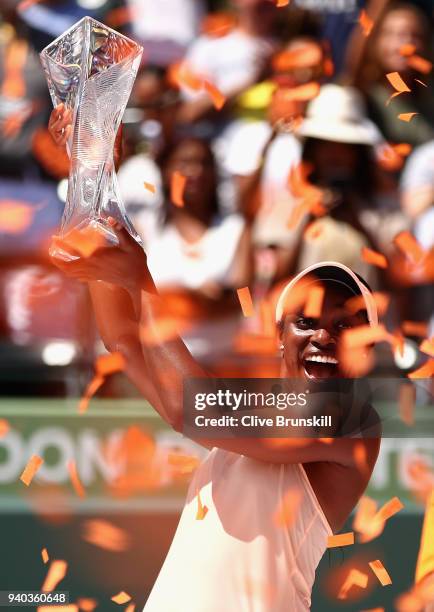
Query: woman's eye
305, 322
343, 325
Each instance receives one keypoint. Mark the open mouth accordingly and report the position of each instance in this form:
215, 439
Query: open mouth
320, 366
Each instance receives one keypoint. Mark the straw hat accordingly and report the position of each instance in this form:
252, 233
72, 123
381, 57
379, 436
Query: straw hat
338, 114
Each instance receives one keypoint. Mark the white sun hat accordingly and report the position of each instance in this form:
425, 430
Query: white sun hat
339, 114
331, 271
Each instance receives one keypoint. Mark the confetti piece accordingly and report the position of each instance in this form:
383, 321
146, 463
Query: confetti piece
402, 148
109, 364
281, 3
56, 573
76, 483
90, 391
201, 510
397, 83
357, 303
414, 328
341, 539
363, 523
15, 217
130, 608
407, 49
31, 468
302, 93
361, 457
407, 399
122, 16
421, 82
425, 371
105, 535
408, 245
354, 578
218, 99
86, 240
425, 559
314, 302
286, 512
121, 598
374, 610
310, 54
65, 608
390, 508
218, 24
407, 116
374, 258
420, 64
364, 335
86, 604
365, 22
183, 464
177, 186
427, 347
380, 571
150, 187
4, 427
246, 301
44, 554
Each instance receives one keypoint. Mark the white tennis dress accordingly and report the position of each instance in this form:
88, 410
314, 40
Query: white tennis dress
238, 559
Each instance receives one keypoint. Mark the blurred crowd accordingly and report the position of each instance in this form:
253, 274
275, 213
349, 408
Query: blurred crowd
305, 132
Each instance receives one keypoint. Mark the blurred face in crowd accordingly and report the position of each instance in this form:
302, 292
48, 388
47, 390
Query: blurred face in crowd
156, 99
262, 12
194, 160
311, 345
400, 27
334, 161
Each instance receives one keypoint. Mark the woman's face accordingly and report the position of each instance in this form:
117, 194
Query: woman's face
310, 346
194, 161
400, 27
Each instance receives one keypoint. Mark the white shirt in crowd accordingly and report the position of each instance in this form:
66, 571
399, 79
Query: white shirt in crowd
175, 20
244, 158
230, 62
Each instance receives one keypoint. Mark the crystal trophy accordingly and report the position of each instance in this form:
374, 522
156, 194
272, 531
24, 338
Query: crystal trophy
91, 69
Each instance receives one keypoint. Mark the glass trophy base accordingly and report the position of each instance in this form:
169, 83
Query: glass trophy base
84, 240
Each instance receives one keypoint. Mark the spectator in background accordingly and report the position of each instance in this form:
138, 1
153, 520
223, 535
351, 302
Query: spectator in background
401, 33
195, 255
148, 130
231, 62
165, 28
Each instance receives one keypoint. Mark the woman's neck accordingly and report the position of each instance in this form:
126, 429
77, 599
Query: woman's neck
190, 226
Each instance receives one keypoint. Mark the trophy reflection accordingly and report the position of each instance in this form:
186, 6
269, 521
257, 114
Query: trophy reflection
91, 69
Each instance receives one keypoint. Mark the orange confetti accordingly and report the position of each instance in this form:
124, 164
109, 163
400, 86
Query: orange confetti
4, 427
218, 24
86, 604
408, 245
286, 513
374, 610
407, 399
310, 54
361, 457
246, 301
130, 608
150, 187
380, 571
109, 364
121, 16
425, 560
201, 510
402, 148
414, 328
90, 391
420, 64
365, 22
64, 608
15, 217
421, 82
85, 240
218, 99
407, 49
106, 535
44, 554
354, 578
56, 573
183, 464
177, 186
180, 75
364, 335
425, 371
397, 82
314, 302
281, 3
374, 258
407, 116
389, 509
31, 468
427, 347
357, 303
341, 539
76, 483
364, 520
121, 598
